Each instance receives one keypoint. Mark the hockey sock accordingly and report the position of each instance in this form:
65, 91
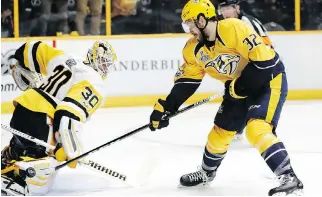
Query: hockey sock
218, 142
259, 134
211, 161
277, 159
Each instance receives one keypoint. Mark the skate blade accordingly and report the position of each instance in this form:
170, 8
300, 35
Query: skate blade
297, 192
201, 185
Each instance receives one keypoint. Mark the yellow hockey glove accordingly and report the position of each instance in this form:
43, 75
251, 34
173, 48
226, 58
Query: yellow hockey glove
61, 156
159, 111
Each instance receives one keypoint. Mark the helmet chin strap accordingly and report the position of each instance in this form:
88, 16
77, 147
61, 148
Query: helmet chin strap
203, 39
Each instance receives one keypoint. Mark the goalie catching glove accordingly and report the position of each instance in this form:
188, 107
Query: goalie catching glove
68, 143
24, 78
159, 111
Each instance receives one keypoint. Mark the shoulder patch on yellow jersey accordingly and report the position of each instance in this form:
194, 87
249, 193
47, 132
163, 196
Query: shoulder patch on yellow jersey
190, 69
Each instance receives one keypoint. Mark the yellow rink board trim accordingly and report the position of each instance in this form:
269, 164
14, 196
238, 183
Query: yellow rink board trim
149, 100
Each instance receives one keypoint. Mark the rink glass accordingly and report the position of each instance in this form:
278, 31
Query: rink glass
24, 18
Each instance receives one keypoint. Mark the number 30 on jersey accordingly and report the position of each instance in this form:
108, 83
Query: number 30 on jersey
91, 98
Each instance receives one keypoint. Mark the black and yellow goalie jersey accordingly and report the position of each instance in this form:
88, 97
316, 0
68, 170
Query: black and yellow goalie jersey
71, 88
238, 53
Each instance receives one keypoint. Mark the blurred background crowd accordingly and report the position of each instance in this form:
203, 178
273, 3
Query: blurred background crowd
88, 17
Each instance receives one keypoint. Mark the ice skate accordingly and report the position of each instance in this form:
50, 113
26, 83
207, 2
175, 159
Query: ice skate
197, 178
289, 185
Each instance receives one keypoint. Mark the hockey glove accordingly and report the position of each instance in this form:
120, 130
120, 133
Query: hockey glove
230, 91
160, 110
24, 78
60, 156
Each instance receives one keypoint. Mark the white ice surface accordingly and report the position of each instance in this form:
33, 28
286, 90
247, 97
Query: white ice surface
154, 161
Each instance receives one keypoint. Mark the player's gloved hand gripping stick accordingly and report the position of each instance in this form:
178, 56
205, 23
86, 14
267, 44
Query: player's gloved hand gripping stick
206, 100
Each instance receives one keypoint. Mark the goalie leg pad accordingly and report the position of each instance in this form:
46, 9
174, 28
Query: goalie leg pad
15, 180
68, 136
44, 177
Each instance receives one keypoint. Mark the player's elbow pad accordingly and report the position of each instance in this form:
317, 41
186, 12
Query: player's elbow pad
68, 135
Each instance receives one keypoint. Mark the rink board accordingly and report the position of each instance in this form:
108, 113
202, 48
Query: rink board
146, 67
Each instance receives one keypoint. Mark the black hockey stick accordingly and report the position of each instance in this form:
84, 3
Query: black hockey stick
206, 100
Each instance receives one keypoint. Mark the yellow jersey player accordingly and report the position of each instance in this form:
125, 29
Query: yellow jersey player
52, 111
231, 9
255, 90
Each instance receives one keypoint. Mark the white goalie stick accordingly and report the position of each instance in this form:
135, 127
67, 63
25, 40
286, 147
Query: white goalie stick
89, 164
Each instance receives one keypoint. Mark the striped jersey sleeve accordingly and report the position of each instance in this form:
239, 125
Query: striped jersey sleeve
35, 56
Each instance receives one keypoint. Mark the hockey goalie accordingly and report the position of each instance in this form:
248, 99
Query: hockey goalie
60, 92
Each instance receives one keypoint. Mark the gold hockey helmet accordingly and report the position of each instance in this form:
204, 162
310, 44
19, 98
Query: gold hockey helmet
194, 8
